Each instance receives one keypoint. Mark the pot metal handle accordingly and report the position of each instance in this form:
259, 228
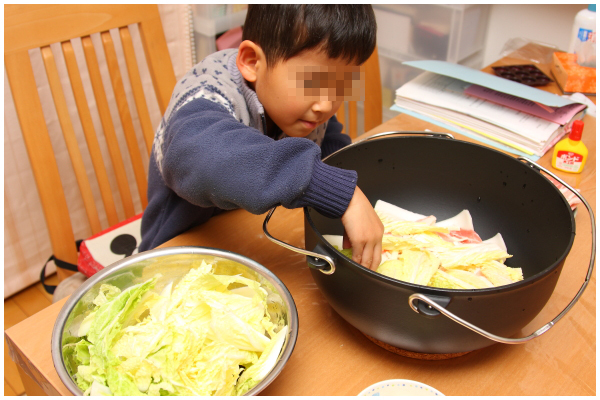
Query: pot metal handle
414, 298
307, 253
392, 133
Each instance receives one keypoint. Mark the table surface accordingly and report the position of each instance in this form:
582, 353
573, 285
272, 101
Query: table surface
331, 357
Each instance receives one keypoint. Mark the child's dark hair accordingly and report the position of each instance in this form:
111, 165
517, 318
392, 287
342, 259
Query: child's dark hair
286, 30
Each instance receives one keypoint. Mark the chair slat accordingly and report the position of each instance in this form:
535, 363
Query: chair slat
43, 163
90, 134
157, 51
341, 116
136, 86
352, 119
70, 139
107, 126
30, 27
373, 102
125, 115
373, 115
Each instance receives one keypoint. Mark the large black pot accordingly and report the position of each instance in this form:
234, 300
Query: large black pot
438, 175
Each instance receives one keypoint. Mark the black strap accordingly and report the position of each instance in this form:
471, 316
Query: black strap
60, 264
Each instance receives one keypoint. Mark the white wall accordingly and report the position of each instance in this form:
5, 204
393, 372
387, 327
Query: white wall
547, 23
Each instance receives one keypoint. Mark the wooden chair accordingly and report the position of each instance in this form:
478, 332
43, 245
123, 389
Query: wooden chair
29, 27
373, 113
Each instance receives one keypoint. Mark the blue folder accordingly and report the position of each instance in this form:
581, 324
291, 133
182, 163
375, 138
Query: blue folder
490, 81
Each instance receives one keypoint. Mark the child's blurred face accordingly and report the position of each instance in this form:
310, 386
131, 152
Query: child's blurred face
305, 91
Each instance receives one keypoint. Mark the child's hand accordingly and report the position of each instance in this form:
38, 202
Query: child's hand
364, 230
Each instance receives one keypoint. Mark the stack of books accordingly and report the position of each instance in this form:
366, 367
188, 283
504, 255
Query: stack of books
507, 115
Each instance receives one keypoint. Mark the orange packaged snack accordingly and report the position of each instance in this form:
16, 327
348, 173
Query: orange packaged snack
572, 77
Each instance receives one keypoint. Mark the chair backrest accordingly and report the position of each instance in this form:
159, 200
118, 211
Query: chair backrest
28, 27
373, 112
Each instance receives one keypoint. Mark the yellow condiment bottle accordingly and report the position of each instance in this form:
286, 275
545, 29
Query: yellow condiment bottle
570, 154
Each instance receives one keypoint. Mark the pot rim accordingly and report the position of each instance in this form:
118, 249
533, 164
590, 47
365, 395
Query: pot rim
283, 291
433, 290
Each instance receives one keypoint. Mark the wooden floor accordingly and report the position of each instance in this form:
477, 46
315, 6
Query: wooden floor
16, 308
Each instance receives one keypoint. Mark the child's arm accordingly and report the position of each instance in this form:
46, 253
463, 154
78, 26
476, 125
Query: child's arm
363, 227
209, 158
364, 230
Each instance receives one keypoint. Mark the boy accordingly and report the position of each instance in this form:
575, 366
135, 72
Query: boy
248, 128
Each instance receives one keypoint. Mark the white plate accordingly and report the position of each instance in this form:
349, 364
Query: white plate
400, 387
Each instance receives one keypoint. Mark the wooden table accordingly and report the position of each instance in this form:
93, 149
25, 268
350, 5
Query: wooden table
331, 357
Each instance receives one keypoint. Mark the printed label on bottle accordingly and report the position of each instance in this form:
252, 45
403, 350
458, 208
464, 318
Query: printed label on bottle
584, 34
568, 161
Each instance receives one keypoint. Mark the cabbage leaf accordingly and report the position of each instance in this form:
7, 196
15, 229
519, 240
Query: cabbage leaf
411, 266
447, 254
195, 337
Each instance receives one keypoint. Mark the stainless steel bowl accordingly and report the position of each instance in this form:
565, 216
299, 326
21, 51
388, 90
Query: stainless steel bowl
173, 263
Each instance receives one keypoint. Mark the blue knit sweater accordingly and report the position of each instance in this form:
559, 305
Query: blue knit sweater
211, 152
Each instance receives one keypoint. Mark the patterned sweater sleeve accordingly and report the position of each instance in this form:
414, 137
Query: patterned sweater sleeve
211, 159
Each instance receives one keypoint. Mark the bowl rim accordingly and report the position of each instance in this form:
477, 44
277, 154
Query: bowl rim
283, 291
376, 384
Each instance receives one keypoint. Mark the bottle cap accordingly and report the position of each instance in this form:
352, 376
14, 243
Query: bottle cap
576, 130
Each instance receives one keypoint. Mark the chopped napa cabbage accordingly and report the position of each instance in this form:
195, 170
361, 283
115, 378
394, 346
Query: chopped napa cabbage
82, 324
106, 293
105, 328
499, 274
98, 389
470, 277
260, 369
427, 240
394, 269
86, 324
447, 254
398, 243
471, 254
346, 252
121, 384
195, 337
444, 280
411, 266
399, 228
479, 278
388, 255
